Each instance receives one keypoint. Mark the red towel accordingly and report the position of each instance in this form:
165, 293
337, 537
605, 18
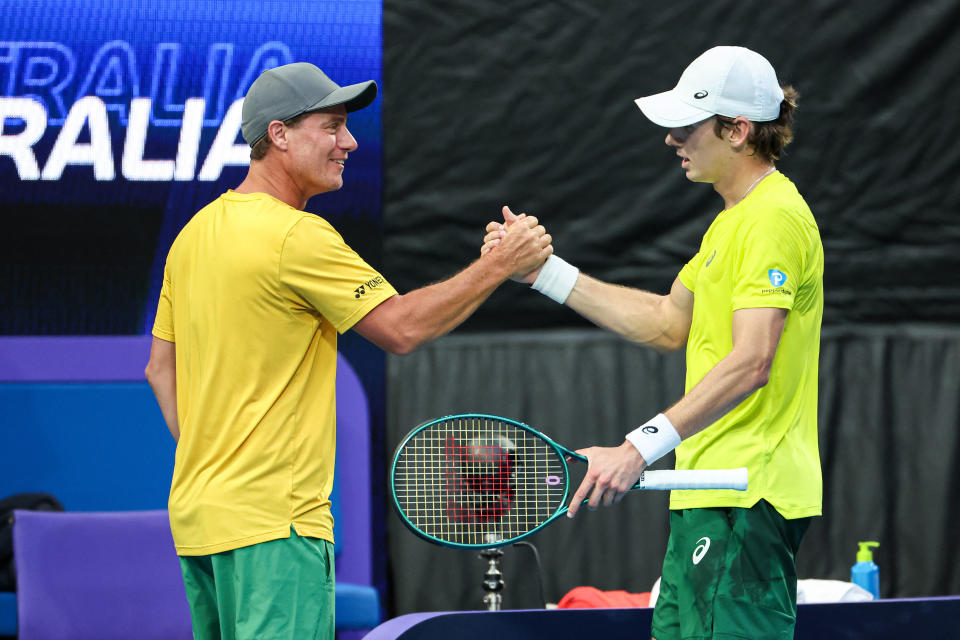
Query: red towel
593, 598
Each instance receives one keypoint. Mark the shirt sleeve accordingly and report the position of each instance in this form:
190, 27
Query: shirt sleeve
163, 324
688, 274
323, 273
770, 263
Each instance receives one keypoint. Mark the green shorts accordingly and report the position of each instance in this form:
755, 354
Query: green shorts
729, 573
267, 591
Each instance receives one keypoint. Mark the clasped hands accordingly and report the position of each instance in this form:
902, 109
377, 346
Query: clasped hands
523, 240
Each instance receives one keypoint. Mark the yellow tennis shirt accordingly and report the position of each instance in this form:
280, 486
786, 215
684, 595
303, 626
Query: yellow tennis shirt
254, 294
763, 252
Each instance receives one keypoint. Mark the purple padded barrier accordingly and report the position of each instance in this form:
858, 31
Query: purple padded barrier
354, 563
99, 576
73, 358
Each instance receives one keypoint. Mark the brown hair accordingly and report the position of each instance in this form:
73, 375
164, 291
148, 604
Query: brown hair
259, 150
769, 139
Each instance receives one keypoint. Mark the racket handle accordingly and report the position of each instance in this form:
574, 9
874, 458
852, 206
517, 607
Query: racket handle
694, 479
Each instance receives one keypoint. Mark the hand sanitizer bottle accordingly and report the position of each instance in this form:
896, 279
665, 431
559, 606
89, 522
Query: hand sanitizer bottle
865, 573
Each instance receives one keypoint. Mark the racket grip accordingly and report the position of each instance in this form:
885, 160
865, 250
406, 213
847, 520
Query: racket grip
694, 479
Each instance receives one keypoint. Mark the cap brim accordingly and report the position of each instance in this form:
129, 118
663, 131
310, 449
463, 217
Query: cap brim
666, 110
353, 97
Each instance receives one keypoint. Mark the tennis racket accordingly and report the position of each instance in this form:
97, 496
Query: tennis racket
475, 481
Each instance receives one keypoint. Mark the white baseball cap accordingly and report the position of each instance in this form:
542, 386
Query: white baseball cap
726, 81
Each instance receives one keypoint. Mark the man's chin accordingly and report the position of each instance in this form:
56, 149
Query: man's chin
332, 186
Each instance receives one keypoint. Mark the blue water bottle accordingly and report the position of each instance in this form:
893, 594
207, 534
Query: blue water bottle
865, 573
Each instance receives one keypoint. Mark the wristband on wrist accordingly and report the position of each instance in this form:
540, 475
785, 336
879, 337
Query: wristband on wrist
556, 279
655, 439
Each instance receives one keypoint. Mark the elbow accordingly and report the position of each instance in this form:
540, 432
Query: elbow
155, 372
757, 374
402, 348
402, 343
760, 379
668, 344
150, 372
670, 337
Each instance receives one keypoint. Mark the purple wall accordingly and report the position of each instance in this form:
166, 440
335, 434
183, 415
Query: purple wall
73, 358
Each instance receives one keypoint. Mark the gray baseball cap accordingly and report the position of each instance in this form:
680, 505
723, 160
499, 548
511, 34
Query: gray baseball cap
288, 91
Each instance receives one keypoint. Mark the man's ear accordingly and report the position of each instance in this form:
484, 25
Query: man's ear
278, 134
740, 132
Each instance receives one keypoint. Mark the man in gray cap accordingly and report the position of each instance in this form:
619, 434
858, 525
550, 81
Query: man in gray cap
753, 291
243, 362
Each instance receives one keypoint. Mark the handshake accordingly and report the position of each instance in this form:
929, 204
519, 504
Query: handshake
521, 240
525, 249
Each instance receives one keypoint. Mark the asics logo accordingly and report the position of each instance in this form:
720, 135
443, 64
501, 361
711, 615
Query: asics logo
703, 545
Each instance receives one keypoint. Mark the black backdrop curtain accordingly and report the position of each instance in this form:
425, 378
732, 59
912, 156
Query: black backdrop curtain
531, 104
890, 450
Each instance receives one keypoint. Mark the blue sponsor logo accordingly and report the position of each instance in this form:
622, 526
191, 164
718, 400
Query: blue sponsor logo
777, 277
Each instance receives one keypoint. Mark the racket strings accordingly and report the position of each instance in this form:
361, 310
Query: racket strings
477, 481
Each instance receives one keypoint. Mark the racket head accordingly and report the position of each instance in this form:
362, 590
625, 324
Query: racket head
478, 481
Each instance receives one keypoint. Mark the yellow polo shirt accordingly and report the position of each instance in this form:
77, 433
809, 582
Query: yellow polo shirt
763, 252
254, 294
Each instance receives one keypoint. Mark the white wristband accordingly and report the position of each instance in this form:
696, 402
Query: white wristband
655, 439
556, 279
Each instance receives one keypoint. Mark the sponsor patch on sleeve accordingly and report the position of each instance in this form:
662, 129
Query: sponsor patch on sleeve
370, 284
777, 280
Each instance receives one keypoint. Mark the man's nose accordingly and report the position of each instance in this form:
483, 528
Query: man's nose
347, 141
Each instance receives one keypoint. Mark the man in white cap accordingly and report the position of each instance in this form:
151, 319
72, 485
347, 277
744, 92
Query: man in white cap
243, 362
748, 308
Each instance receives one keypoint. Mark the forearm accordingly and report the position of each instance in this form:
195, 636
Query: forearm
724, 387
638, 316
402, 323
437, 309
165, 391
161, 373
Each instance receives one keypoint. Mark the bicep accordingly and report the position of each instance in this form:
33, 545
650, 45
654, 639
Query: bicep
757, 331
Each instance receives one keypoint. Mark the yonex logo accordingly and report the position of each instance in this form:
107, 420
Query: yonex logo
650, 429
703, 545
373, 283
700, 95
777, 277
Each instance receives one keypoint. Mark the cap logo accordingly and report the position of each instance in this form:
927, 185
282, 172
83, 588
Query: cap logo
700, 95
